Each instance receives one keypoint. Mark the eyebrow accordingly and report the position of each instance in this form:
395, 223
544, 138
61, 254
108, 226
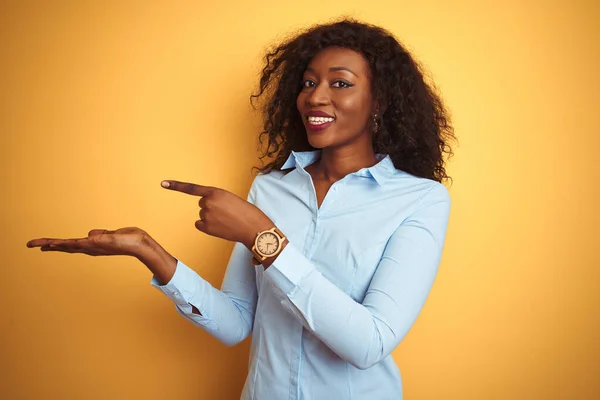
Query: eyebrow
332, 69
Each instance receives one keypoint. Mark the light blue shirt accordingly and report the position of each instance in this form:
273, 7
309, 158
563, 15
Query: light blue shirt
342, 294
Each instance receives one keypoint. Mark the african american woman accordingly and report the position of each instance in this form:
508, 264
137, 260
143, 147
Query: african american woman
339, 240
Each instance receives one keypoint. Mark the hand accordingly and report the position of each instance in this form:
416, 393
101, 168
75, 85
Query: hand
100, 242
223, 214
125, 241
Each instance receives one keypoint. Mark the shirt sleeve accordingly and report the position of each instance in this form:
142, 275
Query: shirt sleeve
364, 334
227, 314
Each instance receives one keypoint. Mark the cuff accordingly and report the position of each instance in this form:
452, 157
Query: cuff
288, 269
180, 289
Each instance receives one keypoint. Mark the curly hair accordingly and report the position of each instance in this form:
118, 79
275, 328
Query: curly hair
415, 128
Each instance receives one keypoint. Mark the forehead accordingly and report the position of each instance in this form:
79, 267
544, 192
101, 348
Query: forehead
339, 57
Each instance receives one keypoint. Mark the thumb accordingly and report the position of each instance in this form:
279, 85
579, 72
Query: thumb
201, 225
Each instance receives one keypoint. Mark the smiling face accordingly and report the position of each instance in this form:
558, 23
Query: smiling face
335, 102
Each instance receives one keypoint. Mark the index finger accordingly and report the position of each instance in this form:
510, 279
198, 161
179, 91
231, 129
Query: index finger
186, 187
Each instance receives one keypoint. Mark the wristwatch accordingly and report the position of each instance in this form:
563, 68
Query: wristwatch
267, 244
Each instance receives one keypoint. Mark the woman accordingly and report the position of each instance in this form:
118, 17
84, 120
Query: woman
339, 241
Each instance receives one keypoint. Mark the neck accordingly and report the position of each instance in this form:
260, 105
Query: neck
335, 164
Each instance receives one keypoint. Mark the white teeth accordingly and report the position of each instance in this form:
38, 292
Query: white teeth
319, 120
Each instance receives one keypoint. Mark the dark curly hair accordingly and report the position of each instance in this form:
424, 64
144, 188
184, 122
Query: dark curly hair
415, 128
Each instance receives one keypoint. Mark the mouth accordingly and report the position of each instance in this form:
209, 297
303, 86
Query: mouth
316, 124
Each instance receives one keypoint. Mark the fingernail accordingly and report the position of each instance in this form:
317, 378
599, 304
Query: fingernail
164, 184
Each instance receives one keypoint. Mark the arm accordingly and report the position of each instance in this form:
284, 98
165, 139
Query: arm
227, 314
364, 334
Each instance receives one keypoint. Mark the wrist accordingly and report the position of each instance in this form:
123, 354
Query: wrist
157, 259
261, 225
269, 261
262, 254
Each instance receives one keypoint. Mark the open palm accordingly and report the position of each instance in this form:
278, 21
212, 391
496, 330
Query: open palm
99, 242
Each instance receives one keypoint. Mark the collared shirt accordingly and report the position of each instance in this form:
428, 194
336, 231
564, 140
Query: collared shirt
341, 295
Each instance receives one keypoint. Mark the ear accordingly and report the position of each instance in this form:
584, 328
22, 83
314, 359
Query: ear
377, 107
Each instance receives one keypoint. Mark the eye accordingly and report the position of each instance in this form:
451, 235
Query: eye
307, 83
342, 84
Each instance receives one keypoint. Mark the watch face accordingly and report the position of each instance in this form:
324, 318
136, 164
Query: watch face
267, 243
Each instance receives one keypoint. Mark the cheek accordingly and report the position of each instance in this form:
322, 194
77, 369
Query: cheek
355, 109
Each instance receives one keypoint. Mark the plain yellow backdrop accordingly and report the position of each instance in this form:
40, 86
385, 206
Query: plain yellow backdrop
101, 100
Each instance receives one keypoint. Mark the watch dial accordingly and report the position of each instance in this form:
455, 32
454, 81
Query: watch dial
267, 243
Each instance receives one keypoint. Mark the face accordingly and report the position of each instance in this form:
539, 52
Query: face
335, 102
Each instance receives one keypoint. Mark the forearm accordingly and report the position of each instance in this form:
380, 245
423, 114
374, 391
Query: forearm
360, 333
227, 314
357, 333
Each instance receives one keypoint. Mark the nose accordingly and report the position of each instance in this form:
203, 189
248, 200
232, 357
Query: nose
319, 95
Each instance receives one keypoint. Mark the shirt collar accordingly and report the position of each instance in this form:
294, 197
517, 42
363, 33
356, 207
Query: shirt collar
381, 172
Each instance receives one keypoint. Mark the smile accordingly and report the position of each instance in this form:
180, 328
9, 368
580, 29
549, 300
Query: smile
319, 120
318, 123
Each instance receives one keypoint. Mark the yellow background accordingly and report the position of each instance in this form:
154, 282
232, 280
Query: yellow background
100, 101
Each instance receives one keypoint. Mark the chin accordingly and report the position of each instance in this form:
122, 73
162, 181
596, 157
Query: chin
319, 140
318, 144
